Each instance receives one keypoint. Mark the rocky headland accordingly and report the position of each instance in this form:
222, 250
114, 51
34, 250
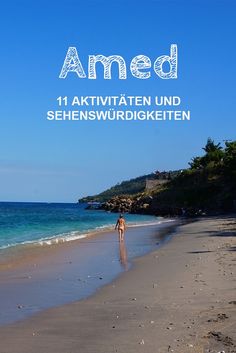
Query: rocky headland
207, 187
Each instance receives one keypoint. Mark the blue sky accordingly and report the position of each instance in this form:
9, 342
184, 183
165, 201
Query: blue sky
61, 161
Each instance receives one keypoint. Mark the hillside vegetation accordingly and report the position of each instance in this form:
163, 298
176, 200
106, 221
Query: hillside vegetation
128, 187
207, 186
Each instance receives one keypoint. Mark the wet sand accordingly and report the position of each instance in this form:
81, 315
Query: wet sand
35, 278
179, 298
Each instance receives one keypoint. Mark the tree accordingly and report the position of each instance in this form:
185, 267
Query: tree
211, 147
196, 163
212, 158
230, 156
214, 154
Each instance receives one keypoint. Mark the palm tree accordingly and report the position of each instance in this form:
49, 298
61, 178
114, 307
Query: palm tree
214, 154
211, 146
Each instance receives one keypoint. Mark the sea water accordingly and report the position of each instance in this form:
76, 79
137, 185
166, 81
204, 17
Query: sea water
47, 223
67, 273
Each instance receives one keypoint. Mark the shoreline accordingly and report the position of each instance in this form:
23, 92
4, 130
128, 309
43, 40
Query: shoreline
12, 255
179, 298
47, 276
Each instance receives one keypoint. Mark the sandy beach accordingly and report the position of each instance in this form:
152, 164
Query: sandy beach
179, 298
34, 277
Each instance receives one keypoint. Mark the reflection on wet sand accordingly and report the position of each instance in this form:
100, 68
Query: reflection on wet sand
123, 254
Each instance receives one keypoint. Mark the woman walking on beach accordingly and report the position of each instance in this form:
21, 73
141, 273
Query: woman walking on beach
120, 224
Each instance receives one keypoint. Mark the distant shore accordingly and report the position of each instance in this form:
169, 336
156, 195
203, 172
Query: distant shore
179, 298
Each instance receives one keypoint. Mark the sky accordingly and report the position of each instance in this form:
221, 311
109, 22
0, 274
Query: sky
60, 161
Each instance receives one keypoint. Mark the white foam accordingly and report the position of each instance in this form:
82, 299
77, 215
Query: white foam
148, 223
76, 235
48, 241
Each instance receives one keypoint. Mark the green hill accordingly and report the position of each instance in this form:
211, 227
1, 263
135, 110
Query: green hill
128, 187
207, 186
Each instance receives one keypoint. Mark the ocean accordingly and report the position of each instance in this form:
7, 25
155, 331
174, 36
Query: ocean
24, 223
35, 276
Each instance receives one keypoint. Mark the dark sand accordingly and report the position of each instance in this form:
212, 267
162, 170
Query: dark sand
180, 298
